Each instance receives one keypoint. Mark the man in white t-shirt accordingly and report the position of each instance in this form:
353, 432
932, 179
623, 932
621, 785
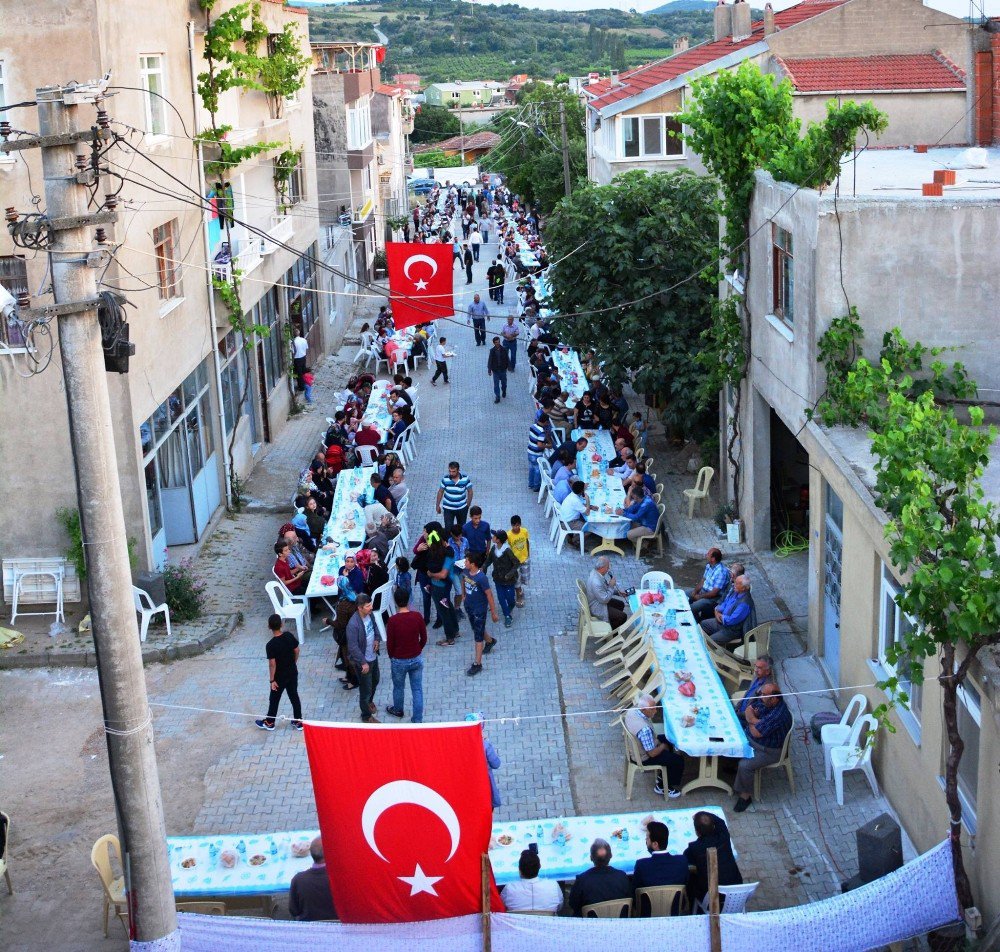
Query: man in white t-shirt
440, 361
529, 892
300, 347
574, 508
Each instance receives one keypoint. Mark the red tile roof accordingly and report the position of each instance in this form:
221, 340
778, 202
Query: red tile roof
868, 73
477, 140
387, 90
639, 80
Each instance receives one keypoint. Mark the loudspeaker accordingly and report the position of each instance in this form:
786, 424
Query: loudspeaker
880, 848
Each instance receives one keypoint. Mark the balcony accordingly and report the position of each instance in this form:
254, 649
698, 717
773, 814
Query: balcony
246, 260
356, 62
363, 209
282, 231
273, 130
358, 159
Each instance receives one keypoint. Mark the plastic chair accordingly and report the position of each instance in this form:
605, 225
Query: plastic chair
655, 580
634, 763
854, 756
656, 537
144, 606
531, 912
382, 606
563, 532
283, 605
202, 908
297, 599
589, 628
612, 909
701, 487
367, 455
114, 889
5, 831
755, 643
661, 901
734, 899
784, 761
836, 735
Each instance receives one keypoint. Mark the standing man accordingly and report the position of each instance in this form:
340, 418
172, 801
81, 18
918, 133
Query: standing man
492, 278
496, 367
478, 596
478, 311
475, 240
478, 534
282, 652
714, 587
454, 496
363, 644
467, 260
406, 638
510, 332
300, 347
440, 361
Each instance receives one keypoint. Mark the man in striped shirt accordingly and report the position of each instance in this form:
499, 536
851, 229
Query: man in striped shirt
539, 437
454, 496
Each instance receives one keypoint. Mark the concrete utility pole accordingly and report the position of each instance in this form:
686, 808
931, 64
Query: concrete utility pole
127, 717
565, 148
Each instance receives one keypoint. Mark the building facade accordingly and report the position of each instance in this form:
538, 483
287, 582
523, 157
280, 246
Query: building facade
925, 265
392, 120
195, 397
464, 95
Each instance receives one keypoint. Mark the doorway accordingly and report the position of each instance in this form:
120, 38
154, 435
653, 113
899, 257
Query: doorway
262, 392
833, 549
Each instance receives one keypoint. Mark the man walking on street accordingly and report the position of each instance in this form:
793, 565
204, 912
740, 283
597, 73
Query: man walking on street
454, 496
467, 259
494, 276
510, 332
283, 674
363, 644
478, 597
440, 361
478, 311
300, 348
496, 367
406, 638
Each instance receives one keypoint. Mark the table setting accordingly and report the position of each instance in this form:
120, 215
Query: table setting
605, 490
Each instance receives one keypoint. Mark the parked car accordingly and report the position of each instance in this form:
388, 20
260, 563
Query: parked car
421, 186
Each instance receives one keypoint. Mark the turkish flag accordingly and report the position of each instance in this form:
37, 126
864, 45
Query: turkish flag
405, 814
421, 282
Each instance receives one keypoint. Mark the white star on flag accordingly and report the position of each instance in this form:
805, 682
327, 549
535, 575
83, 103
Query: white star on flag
421, 284
420, 882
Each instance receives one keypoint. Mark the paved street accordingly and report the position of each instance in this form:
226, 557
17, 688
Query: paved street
549, 719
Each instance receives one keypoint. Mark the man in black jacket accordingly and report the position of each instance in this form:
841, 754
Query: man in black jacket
309, 898
711, 831
660, 868
601, 883
496, 367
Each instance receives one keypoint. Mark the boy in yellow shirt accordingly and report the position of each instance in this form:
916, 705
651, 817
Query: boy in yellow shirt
518, 540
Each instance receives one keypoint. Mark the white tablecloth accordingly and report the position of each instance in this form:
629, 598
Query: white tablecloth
716, 730
605, 490
377, 412
572, 379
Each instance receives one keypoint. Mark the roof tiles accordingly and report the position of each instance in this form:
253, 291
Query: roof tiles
868, 73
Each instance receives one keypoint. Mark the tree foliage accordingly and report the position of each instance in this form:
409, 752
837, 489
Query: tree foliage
530, 155
637, 239
943, 533
434, 123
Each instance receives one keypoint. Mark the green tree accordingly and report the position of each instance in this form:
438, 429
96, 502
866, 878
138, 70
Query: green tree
434, 123
636, 240
530, 149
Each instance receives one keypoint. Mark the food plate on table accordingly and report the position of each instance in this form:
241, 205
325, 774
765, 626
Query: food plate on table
258, 859
189, 863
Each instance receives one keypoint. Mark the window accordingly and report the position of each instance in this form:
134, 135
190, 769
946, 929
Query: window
13, 278
969, 723
455, 95
233, 377
894, 626
168, 268
359, 125
782, 274
300, 283
151, 80
650, 137
265, 313
295, 190
3, 86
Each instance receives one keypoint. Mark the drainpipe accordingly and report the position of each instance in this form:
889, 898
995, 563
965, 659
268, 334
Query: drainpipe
203, 189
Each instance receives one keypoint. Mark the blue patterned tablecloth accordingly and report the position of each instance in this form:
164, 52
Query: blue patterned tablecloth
706, 724
562, 857
377, 412
572, 379
605, 490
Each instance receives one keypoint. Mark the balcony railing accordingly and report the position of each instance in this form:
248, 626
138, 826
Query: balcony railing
282, 231
247, 258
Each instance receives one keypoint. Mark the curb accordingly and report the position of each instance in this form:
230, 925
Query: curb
151, 654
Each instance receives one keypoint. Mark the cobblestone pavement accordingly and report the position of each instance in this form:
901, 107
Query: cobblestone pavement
219, 773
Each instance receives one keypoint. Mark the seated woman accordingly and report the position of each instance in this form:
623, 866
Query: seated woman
353, 574
585, 414
372, 570
397, 429
605, 413
316, 521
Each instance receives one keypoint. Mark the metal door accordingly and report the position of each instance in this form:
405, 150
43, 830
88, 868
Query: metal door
833, 546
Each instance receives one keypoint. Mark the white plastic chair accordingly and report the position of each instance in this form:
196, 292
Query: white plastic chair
144, 606
836, 735
701, 487
655, 580
852, 756
382, 606
734, 899
283, 605
564, 531
366, 455
296, 599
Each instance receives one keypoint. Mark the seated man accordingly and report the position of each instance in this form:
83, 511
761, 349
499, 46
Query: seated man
660, 868
768, 723
573, 510
711, 831
601, 883
643, 512
732, 615
601, 592
367, 435
763, 671
562, 484
295, 579
380, 493
309, 898
572, 446
397, 486
656, 749
529, 893
714, 587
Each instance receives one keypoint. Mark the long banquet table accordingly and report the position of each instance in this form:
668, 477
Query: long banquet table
265, 863
705, 724
604, 489
571, 376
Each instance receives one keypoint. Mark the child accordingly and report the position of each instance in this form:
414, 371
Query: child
638, 423
460, 546
308, 378
518, 540
404, 582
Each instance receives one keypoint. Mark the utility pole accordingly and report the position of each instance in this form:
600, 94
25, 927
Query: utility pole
127, 717
461, 130
565, 148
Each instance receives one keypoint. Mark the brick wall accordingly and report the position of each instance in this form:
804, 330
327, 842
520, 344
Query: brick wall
995, 80
985, 94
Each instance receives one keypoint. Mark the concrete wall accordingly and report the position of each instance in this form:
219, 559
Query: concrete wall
330, 125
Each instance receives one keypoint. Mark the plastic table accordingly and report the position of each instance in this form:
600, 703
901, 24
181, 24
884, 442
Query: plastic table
605, 490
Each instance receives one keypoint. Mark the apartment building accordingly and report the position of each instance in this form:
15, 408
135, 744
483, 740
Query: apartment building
465, 94
195, 397
928, 266
912, 61
392, 122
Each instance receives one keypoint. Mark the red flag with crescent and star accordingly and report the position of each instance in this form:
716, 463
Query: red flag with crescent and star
421, 282
405, 814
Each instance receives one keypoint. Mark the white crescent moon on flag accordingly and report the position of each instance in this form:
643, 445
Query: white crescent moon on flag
429, 260
408, 791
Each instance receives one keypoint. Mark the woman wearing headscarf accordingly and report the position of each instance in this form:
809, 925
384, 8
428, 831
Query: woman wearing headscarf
372, 570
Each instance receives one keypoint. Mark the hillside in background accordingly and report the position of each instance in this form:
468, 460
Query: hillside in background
446, 40
681, 6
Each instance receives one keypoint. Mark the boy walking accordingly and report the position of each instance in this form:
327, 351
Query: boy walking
478, 597
519, 541
282, 652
